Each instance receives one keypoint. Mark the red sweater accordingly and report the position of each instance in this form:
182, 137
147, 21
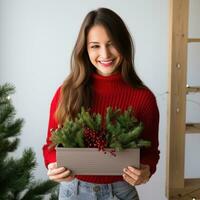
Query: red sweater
113, 91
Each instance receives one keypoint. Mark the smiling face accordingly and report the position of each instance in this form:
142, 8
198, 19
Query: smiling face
102, 52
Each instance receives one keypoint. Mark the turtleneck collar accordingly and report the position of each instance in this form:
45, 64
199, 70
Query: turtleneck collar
106, 83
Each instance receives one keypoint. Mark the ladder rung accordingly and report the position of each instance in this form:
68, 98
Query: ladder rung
191, 186
192, 183
192, 89
193, 40
193, 128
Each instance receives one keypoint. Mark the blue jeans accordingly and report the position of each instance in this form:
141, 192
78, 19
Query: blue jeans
80, 190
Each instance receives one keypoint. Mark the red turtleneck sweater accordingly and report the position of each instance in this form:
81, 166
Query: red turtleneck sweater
113, 91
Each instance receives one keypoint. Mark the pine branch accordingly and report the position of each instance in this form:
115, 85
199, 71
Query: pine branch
11, 129
18, 173
38, 189
5, 91
54, 195
71, 135
7, 146
143, 143
132, 135
6, 112
92, 121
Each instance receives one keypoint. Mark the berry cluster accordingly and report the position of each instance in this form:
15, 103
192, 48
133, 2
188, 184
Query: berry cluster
95, 139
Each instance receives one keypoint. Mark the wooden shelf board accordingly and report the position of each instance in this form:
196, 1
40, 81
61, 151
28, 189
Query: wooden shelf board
190, 89
193, 40
191, 189
193, 128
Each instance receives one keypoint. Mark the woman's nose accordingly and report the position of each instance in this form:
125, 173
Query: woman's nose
105, 53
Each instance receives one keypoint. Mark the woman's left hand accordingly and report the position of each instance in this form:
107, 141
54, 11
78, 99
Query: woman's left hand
136, 176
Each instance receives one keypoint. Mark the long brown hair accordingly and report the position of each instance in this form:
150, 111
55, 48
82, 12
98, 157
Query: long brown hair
76, 89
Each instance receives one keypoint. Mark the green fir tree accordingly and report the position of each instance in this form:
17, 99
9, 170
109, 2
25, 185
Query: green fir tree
16, 175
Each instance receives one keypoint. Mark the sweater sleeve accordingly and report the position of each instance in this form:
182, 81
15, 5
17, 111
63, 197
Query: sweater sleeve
49, 154
149, 115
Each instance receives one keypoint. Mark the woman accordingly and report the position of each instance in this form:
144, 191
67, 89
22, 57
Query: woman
102, 74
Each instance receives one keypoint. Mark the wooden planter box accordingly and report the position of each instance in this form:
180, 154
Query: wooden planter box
90, 161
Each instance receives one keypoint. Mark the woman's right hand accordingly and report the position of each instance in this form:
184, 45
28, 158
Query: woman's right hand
58, 174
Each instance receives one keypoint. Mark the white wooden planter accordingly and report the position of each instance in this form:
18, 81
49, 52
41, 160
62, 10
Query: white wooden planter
90, 161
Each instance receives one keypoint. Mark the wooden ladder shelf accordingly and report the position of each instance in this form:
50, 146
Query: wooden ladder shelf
177, 187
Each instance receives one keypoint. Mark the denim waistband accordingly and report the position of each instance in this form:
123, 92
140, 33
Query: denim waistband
93, 187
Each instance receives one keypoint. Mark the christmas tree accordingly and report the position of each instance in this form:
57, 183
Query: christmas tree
119, 130
16, 175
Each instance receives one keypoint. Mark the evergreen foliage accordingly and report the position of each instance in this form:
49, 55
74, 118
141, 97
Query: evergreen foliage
119, 130
16, 176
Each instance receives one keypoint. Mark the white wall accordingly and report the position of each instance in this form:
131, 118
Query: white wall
36, 40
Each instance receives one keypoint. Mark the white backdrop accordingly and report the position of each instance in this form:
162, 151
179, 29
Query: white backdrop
36, 40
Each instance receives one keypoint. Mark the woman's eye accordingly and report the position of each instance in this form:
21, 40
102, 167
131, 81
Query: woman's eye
110, 44
95, 46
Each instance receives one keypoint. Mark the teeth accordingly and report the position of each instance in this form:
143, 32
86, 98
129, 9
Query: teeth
106, 62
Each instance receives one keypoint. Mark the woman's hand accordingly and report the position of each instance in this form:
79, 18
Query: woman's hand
136, 176
58, 174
